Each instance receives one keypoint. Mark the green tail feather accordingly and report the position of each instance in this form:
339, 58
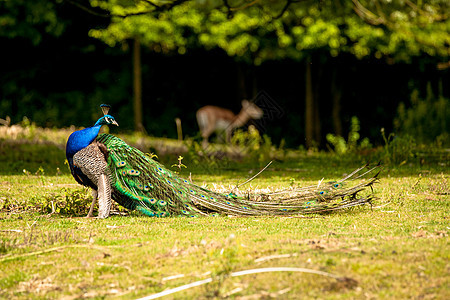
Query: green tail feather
143, 184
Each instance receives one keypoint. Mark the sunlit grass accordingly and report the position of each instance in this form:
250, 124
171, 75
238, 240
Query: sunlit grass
396, 248
399, 248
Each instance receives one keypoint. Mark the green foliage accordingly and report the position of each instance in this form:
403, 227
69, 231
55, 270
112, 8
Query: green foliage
428, 120
249, 139
351, 145
403, 29
178, 165
68, 202
279, 29
65, 202
29, 19
255, 147
209, 158
163, 32
397, 149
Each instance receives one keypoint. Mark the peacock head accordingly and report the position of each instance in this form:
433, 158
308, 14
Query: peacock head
106, 120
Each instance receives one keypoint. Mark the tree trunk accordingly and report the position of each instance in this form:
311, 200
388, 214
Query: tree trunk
309, 108
336, 95
137, 86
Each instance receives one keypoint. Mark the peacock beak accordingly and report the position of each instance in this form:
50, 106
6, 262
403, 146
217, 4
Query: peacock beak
114, 122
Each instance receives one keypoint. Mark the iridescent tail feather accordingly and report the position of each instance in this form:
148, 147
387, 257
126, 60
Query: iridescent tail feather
143, 184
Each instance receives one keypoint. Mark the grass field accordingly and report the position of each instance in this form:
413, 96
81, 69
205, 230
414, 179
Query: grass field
396, 249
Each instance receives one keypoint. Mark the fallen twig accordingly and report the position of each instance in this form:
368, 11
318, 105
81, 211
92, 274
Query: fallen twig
241, 273
173, 277
261, 259
383, 205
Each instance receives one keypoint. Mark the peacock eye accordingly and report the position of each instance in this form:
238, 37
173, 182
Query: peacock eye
108, 119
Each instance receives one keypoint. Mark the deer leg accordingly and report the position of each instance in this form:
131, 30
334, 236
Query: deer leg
228, 135
206, 134
206, 126
205, 143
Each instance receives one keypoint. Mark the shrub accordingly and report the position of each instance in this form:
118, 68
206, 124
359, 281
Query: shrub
341, 146
428, 120
397, 149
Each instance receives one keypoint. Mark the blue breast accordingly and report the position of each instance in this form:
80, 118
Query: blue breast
81, 139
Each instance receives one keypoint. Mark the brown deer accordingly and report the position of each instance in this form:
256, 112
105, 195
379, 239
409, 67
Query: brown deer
212, 118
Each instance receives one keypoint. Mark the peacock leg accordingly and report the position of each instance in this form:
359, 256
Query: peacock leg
104, 196
91, 210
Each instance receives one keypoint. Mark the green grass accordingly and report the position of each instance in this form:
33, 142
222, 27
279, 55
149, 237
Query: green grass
396, 249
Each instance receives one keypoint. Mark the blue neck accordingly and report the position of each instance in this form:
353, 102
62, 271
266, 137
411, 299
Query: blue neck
81, 139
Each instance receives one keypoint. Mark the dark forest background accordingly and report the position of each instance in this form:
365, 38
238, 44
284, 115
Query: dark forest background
58, 77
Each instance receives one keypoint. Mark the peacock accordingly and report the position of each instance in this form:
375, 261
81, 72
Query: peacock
117, 171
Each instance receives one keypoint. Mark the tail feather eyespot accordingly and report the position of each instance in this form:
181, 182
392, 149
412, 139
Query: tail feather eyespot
133, 172
121, 163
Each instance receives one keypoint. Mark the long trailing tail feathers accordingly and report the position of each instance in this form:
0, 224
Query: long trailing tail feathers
143, 184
